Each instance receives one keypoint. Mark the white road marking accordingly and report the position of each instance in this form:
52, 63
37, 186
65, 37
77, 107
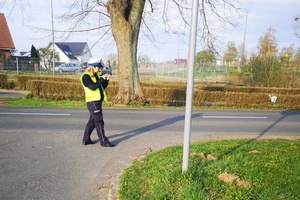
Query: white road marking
39, 114
234, 117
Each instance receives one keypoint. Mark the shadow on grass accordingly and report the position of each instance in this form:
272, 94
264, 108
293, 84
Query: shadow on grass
285, 114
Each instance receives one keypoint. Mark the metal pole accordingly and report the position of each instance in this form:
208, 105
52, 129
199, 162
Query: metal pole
178, 49
177, 63
17, 65
53, 47
245, 31
190, 85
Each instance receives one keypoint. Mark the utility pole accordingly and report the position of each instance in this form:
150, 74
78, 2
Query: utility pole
178, 49
189, 90
53, 47
244, 44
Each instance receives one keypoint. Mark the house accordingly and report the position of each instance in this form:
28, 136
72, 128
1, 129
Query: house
6, 41
71, 52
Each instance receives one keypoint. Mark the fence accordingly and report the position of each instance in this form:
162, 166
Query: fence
24, 65
19, 64
204, 72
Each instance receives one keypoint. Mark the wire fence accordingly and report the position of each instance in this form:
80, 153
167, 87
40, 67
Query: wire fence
17, 64
206, 72
26, 65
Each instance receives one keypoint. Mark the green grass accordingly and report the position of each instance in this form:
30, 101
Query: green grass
36, 102
271, 166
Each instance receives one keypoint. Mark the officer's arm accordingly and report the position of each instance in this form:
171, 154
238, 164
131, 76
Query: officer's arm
88, 82
105, 83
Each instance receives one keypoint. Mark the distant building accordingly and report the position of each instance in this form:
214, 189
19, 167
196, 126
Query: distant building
180, 61
6, 41
71, 52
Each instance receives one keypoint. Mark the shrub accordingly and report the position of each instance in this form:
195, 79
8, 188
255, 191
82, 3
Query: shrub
270, 71
3, 80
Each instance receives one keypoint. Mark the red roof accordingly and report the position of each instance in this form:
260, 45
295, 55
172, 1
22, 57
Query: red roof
6, 41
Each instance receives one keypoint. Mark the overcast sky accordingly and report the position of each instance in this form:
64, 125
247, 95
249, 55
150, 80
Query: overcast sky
262, 14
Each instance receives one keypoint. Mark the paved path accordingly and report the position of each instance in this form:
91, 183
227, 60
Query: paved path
12, 93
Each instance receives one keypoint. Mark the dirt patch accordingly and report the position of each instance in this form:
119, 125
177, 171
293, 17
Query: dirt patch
228, 178
204, 156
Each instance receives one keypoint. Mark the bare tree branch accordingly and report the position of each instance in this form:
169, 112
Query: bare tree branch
16, 5
151, 5
212, 12
72, 31
296, 26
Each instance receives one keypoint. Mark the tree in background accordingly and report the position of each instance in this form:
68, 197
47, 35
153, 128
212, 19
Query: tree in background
264, 71
270, 69
267, 43
287, 53
296, 61
34, 58
46, 56
290, 61
297, 55
206, 56
231, 53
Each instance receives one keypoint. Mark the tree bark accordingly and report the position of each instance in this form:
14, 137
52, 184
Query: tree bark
126, 18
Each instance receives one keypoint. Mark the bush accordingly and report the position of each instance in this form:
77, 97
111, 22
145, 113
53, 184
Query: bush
170, 94
3, 80
269, 71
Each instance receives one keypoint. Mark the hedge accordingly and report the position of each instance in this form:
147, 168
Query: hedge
169, 94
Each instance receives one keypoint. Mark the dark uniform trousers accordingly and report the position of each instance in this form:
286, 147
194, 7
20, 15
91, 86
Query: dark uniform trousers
95, 121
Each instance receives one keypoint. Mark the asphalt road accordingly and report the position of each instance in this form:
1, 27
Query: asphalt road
42, 156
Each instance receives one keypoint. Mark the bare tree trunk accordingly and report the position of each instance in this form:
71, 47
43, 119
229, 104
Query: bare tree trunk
126, 18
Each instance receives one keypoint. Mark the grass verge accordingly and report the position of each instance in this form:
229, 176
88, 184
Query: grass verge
40, 102
225, 169
36, 102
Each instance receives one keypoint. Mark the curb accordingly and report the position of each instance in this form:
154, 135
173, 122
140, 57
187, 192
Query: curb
112, 192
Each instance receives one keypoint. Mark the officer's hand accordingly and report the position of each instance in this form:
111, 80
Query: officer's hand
106, 76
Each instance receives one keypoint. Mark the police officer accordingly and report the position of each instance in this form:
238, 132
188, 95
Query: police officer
94, 87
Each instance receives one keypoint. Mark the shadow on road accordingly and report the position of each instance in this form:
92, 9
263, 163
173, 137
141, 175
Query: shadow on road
132, 133
284, 115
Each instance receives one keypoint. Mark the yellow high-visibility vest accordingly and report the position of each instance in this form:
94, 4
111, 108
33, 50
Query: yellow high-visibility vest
91, 95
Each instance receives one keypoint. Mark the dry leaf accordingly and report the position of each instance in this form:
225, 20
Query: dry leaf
254, 151
102, 186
